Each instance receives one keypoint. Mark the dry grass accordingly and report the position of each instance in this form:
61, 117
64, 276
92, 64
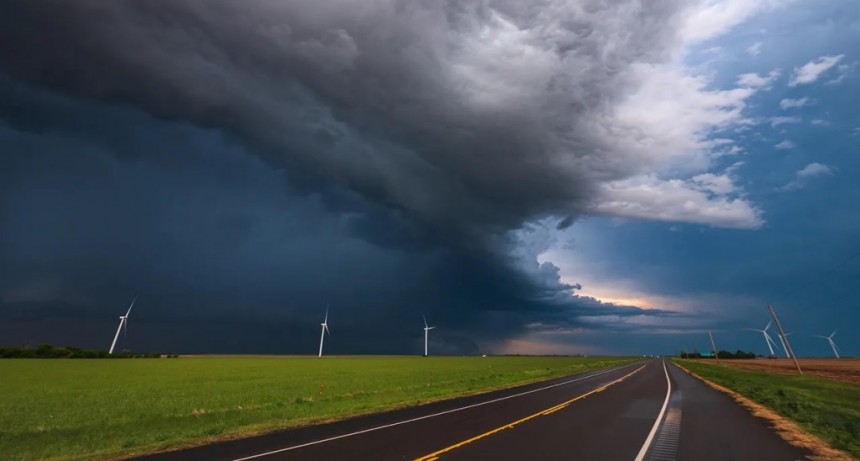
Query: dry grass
845, 370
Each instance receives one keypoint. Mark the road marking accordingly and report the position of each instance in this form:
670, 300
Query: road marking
453, 410
554, 409
547, 411
647, 444
666, 443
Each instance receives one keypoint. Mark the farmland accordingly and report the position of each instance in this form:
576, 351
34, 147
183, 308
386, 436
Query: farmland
846, 370
90, 409
824, 407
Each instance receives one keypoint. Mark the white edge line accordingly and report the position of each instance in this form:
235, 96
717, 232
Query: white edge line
647, 443
453, 410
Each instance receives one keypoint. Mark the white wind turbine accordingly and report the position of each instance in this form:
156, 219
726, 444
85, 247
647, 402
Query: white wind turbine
427, 329
123, 322
767, 339
324, 331
832, 344
782, 341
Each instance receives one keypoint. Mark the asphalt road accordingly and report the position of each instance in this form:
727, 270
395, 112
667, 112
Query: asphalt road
648, 410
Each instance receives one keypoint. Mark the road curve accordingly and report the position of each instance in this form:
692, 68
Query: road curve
648, 410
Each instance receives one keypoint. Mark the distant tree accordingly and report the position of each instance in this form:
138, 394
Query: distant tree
44, 351
736, 355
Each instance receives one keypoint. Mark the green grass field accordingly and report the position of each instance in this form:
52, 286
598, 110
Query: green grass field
90, 409
828, 409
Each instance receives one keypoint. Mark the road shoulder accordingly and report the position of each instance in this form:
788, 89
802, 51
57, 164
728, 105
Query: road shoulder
788, 430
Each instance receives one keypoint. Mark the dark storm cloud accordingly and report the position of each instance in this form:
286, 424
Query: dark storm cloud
411, 104
410, 151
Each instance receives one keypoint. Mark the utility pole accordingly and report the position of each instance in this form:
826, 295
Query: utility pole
784, 338
714, 347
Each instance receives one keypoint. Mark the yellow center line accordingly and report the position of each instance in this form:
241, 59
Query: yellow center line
433, 456
553, 410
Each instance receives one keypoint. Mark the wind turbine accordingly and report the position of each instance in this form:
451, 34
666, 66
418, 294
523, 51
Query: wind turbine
427, 329
324, 331
123, 322
782, 341
832, 344
767, 338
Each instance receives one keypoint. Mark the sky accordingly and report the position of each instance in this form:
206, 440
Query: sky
551, 177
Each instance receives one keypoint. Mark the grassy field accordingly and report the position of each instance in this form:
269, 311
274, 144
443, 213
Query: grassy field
90, 409
828, 409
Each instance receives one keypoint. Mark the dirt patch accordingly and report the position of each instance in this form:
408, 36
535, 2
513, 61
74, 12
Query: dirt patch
843, 370
790, 431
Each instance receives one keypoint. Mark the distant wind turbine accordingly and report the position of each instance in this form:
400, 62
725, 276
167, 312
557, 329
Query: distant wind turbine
123, 325
782, 341
324, 331
427, 329
767, 339
832, 344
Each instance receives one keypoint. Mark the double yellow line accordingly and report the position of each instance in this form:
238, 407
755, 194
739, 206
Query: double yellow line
435, 455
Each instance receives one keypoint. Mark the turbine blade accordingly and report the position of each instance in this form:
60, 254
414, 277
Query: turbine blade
768, 325
129, 307
770, 340
425, 320
325, 325
832, 334
430, 328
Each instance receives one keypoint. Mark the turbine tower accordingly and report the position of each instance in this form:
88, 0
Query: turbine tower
767, 339
324, 331
123, 322
427, 329
832, 344
784, 348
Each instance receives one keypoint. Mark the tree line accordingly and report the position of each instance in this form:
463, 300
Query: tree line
739, 354
49, 351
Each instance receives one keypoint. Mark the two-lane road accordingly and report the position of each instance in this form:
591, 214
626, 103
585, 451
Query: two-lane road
645, 410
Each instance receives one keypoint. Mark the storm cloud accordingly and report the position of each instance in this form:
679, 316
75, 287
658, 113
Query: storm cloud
247, 163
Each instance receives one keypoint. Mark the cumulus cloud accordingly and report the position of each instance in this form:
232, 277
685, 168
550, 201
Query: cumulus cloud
814, 169
811, 71
842, 71
716, 184
754, 49
788, 103
732, 150
777, 121
705, 199
713, 19
802, 177
667, 123
753, 80
785, 144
